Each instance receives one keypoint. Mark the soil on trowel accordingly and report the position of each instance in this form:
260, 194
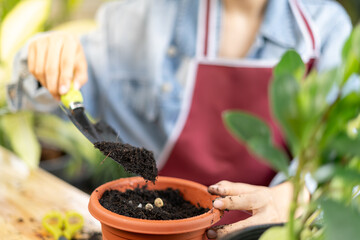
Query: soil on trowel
136, 160
142, 203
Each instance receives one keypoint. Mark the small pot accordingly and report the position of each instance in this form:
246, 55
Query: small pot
250, 233
115, 226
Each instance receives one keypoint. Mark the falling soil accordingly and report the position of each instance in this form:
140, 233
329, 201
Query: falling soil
136, 203
139, 161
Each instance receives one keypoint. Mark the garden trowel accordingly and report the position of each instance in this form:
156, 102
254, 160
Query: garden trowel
136, 160
72, 104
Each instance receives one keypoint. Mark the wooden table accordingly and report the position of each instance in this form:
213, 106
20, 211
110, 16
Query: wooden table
25, 196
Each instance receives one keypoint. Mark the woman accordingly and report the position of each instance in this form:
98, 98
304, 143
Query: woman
162, 72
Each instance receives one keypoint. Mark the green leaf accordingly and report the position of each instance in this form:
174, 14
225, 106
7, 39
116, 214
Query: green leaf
24, 20
283, 92
350, 176
257, 137
347, 109
19, 131
266, 151
351, 54
345, 145
290, 64
246, 126
342, 222
279, 233
6, 6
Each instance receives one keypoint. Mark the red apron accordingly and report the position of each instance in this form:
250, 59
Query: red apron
200, 148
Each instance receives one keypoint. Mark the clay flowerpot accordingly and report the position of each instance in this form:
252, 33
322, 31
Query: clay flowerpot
116, 226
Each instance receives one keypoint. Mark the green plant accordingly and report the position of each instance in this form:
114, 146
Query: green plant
319, 114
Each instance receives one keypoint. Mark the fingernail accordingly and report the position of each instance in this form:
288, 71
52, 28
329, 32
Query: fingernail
211, 233
218, 204
63, 89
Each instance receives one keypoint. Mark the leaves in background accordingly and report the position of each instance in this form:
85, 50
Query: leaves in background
21, 22
342, 222
257, 137
21, 136
24, 20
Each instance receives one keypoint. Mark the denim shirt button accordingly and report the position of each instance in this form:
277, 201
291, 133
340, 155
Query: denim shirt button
166, 87
172, 51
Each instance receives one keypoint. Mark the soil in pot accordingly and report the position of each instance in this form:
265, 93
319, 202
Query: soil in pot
136, 160
142, 203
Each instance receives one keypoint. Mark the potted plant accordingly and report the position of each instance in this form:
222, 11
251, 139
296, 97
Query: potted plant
319, 114
115, 226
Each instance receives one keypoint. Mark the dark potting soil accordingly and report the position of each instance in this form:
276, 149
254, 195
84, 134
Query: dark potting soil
136, 160
132, 203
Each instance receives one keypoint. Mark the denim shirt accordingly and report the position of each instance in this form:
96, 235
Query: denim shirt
139, 54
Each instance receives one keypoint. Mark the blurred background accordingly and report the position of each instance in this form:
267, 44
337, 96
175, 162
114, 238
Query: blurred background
46, 140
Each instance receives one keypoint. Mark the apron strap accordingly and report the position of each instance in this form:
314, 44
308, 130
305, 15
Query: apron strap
206, 34
206, 29
307, 28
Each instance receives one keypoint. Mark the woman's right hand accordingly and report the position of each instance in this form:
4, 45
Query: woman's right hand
56, 60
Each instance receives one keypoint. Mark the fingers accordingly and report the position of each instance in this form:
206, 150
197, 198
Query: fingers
67, 64
80, 75
32, 58
226, 188
52, 66
246, 201
36, 60
56, 60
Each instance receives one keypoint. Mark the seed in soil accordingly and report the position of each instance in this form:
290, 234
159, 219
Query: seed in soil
149, 206
158, 202
176, 206
136, 160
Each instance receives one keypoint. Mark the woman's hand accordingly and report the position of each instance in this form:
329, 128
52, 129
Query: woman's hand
56, 60
267, 205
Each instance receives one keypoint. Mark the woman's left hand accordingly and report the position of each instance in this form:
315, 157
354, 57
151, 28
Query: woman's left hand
267, 205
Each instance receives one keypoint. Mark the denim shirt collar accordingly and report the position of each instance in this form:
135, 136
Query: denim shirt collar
278, 13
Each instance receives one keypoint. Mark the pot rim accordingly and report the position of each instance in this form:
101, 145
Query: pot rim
151, 226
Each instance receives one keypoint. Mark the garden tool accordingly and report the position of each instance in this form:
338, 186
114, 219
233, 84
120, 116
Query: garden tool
72, 104
104, 138
63, 227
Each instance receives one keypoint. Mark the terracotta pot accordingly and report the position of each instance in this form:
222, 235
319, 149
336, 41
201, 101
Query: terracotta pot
116, 226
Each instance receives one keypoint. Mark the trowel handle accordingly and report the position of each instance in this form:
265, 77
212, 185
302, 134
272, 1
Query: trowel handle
71, 96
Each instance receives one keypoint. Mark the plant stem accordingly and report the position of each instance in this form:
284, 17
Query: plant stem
298, 183
294, 203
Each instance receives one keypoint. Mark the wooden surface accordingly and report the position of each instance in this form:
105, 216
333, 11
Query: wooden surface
25, 196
